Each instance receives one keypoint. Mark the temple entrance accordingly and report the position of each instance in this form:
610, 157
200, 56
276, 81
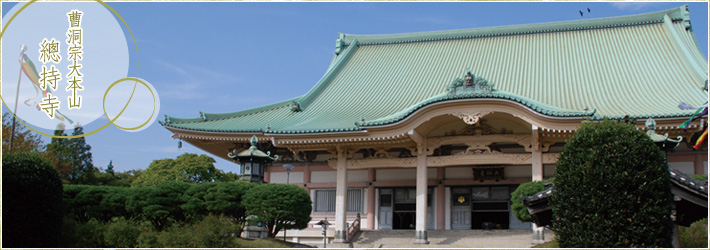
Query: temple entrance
398, 208
481, 207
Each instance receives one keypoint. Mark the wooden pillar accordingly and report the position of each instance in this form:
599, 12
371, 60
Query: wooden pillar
420, 236
537, 167
440, 199
341, 199
537, 175
371, 199
306, 173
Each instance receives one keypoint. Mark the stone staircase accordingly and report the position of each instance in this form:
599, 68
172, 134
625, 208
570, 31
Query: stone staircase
446, 239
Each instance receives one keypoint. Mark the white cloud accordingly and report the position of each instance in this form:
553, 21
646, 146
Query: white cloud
634, 6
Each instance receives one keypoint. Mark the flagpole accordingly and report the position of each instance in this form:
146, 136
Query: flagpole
17, 97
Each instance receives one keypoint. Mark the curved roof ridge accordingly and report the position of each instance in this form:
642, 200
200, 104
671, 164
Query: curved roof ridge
219, 116
678, 13
325, 80
536, 106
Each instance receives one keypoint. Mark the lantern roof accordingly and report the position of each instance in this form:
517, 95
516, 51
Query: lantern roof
252, 152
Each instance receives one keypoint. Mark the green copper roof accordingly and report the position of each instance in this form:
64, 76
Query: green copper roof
640, 66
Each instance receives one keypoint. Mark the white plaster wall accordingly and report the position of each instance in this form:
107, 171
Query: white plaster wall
685, 167
322, 176
458, 173
518, 172
396, 174
280, 177
356, 175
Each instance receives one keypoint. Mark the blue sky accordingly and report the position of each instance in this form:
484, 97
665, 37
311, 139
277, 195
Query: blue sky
223, 57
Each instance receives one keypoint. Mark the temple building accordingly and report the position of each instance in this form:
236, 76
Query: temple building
434, 130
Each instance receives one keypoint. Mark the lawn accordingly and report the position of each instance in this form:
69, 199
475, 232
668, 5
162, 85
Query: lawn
264, 243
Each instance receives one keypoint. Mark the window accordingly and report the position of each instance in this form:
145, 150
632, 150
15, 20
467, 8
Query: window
325, 200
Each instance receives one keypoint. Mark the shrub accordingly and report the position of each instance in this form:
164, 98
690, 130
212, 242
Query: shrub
612, 189
114, 202
69, 235
279, 206
527, 189
695, 236
159, 204
32, 206
148, 239
71, 208
211, 232
91, 235
122, 233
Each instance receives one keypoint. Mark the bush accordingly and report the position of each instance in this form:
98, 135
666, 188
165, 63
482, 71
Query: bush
695, 236
122, 233
612, 189
159, 204
527, 189
279, 206
32, 206
211, 232
90, 235
148, 239
71, 208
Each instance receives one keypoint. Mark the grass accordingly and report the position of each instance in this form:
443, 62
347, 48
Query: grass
549, 244
263, 243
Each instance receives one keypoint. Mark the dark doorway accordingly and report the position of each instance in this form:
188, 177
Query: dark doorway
490, 220
404, 220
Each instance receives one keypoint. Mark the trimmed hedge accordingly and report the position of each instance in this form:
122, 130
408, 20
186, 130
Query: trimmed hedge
32, 207
612, 189
529, 188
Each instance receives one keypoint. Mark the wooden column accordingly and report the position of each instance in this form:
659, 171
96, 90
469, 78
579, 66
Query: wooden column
371, 199
537, 175
440, 199
420, 236
341, 199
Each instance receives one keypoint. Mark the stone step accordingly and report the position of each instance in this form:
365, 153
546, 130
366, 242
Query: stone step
447, 239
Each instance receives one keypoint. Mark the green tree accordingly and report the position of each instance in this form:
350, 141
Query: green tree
71, 208
114, 202
160, 204
187, 167
24, 139
527, 189
227, 199
32, 207
195, 205
612, 189
279, 206
74, 153
125, 179
217, 198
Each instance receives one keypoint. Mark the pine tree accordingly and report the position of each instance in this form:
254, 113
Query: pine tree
81, 160
72, 157
109, 168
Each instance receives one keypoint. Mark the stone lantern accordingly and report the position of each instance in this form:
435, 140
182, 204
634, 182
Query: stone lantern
253, 162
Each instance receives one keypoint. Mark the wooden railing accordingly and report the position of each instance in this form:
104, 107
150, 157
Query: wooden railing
353, 229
